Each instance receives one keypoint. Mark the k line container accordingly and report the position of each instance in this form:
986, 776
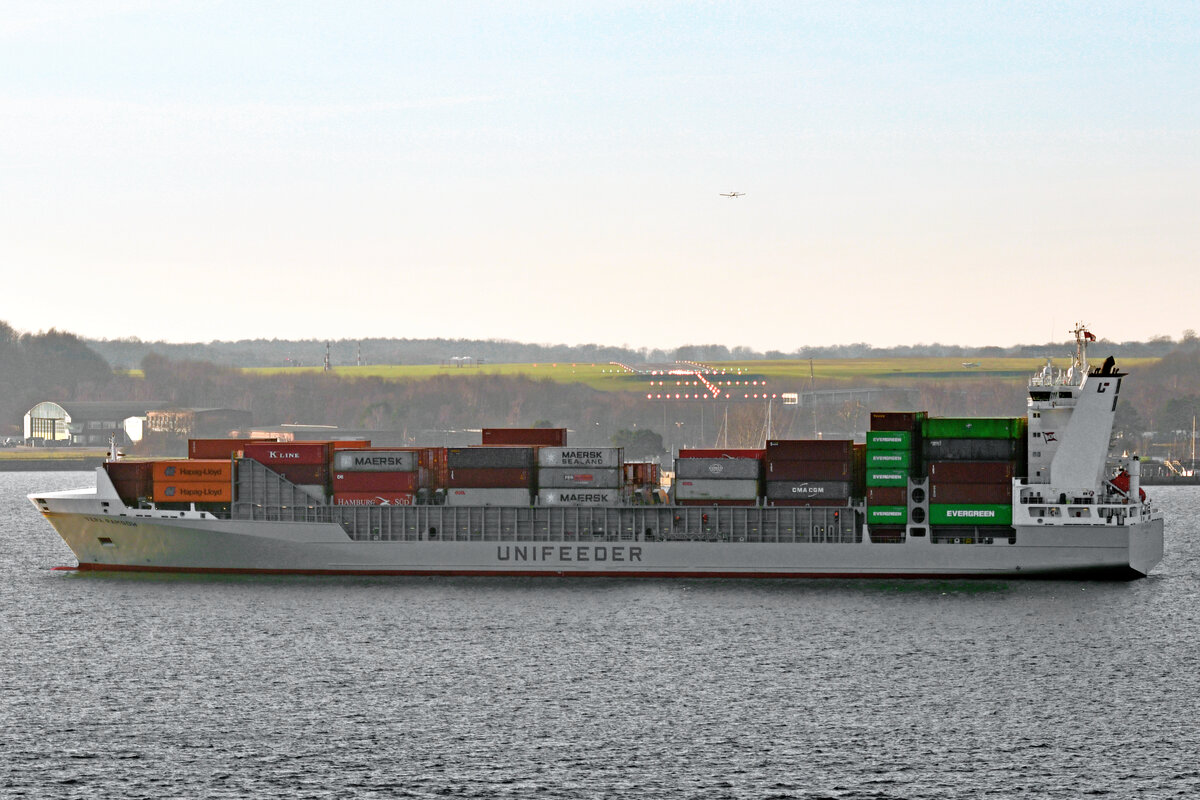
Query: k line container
578, 497
193, 492
972, 449
971, 471
493, 478
887, 496
810, 449
707, 489
887, 477
598, 457
374, 498
461, 496
974, 428
555, 477
887, 515
718, 468
971, 493
375, 482
964, 514
889, 440
375, 460
272, 454
550, 437
896, 459
834, 490
489, 458
777, 470
193, 471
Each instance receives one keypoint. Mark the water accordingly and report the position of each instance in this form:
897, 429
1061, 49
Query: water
153, 686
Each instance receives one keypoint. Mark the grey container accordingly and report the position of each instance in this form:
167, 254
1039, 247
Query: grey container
808, 490
705, 489
374, 461
574, 477
487, 497
972, 449
718, 468
489, 458
579, 497
599, 457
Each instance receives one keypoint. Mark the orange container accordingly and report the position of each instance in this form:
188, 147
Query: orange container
193, 471
165, 492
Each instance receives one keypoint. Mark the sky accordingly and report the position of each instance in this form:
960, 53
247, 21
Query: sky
914, 172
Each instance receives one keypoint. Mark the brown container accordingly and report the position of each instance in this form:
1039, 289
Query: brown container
218, 448
971, 493
716, 502
887, 496
971, 471
193, 471
548, 437
808, 470
815, 503
276, 453
483, 478
897, 421
131, 479
721, 452
303, 474
375, 482
640, 473
193, 493
351, 444
810, 449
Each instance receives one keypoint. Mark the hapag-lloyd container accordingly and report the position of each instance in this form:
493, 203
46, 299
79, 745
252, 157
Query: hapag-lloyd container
556, 477
835, 490
718, 468
193, 492
497, 478
272, 454
461, 496
374, 460
598, 457
375, 482
691, 489
777, 470
578, 497
193, 471
373, 498
489, 458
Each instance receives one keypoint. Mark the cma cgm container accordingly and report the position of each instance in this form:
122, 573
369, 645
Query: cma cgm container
718, 468
489, 458
556, 477
467, 496
549, 437
821, 490
599, 457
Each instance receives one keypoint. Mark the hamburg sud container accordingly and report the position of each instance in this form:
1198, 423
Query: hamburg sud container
467, 496
374, 498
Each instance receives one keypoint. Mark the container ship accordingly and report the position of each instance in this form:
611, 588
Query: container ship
922, 497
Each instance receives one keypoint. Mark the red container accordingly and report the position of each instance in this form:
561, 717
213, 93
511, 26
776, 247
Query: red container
218, 448
810, 449
971, 493
373, 499
274, 453
640, 473
549, 437
887, 496
897, 421
808, 470
351, 444
131, 479
305, 474
721, 452
971, 472
715, 502
484, 478
375, 482
841, 503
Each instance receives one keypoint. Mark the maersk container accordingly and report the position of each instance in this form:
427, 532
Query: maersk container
889, 440
971, 493
970, 514
972, 471
462, 496
887, 515
691, 489
972, 449
832, 490
810, 449
374, 460
578, 497
493, 478
569, 477
974, 428
896, 459
375, 482
777, 470
718, 468
489, 458
599, 457
887, 477
887, 495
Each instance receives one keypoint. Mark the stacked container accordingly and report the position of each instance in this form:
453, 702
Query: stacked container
809, 472
192, 481
133, 480
375, 477
305, 464
718, 477
489, 476
219, 448
892, 458
971, 462
580, 476
533, 437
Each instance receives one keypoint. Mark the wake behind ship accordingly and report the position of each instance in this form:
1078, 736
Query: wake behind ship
923, 497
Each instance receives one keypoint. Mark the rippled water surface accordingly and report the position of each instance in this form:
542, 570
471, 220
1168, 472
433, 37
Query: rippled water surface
150, 686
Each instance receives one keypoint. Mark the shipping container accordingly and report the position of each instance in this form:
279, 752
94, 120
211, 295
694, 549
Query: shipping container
974, 428
557, 477
778, 490
131, 479
640, 473
723, 468
897, 421
489, 458
889, 440
810, 501
887, 496
548, 437
810, 449
306, 474
858, 471
603, 457
724, 501
578, 497
490, 478
721, 452
375, 482
219, 448
963, 514
689, 489
375, 460
972, 471
972, 449
884, 459
971, 493
887, 515
349, 444
193, 471
887, 533
202, 492
274, 453
887, 477
808, 470
374, 498
463, 496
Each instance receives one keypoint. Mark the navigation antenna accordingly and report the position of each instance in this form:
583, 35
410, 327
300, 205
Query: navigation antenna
326, 357
1082, 337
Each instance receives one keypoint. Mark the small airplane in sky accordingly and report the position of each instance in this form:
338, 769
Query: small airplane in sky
733, 194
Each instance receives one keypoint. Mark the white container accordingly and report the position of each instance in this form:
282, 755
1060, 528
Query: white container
718, 468
374, 461
688, 489
487, 497
578, 477
598, 457
579, 497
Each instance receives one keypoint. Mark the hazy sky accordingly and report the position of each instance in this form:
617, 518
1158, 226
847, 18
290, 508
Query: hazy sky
975, 173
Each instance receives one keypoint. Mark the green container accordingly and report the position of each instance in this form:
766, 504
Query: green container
974, 428
895, 459
961, 514
889, 440
887, 477
887, 515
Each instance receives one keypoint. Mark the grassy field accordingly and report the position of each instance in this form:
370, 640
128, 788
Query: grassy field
51, 453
